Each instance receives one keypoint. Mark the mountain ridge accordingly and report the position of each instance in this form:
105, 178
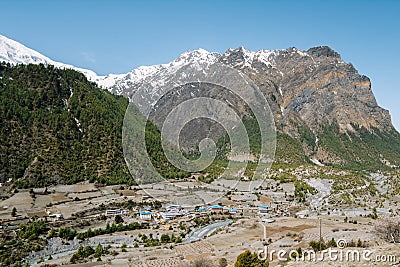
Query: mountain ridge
14, 52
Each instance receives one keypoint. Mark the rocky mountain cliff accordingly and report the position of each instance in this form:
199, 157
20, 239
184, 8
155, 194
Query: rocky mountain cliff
315, 85
315, 96
310, 90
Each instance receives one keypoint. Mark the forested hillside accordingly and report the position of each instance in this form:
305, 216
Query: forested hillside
56, 127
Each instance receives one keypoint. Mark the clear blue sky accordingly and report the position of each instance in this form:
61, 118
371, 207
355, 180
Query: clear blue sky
116, 36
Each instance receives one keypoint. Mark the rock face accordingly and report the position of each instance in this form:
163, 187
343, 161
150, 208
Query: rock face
316, 87
314, 95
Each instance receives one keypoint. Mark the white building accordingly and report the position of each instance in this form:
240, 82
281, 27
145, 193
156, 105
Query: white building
145, 215
116, 212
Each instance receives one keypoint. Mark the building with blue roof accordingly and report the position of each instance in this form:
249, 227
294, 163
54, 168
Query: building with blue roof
216, 208
263, 209
145, 215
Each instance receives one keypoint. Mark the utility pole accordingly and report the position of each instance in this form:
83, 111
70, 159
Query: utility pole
265, 233
320, 234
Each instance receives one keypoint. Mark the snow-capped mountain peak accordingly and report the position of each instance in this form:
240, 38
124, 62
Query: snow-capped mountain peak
16, 53
117, 83
196, 56
242, 57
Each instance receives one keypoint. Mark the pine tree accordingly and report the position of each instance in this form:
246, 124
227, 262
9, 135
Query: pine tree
14, 212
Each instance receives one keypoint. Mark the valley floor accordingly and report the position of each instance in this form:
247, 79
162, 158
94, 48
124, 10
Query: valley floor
295, 205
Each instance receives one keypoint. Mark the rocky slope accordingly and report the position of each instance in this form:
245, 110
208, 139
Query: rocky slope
316, 85
309, 90
315, 96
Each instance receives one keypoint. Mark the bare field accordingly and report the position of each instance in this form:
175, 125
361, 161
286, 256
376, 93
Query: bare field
66, 199
77, 188
297, 222
22, 201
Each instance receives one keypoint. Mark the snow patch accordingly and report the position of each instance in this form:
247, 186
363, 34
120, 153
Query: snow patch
317, 162
78, 124
249, 57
